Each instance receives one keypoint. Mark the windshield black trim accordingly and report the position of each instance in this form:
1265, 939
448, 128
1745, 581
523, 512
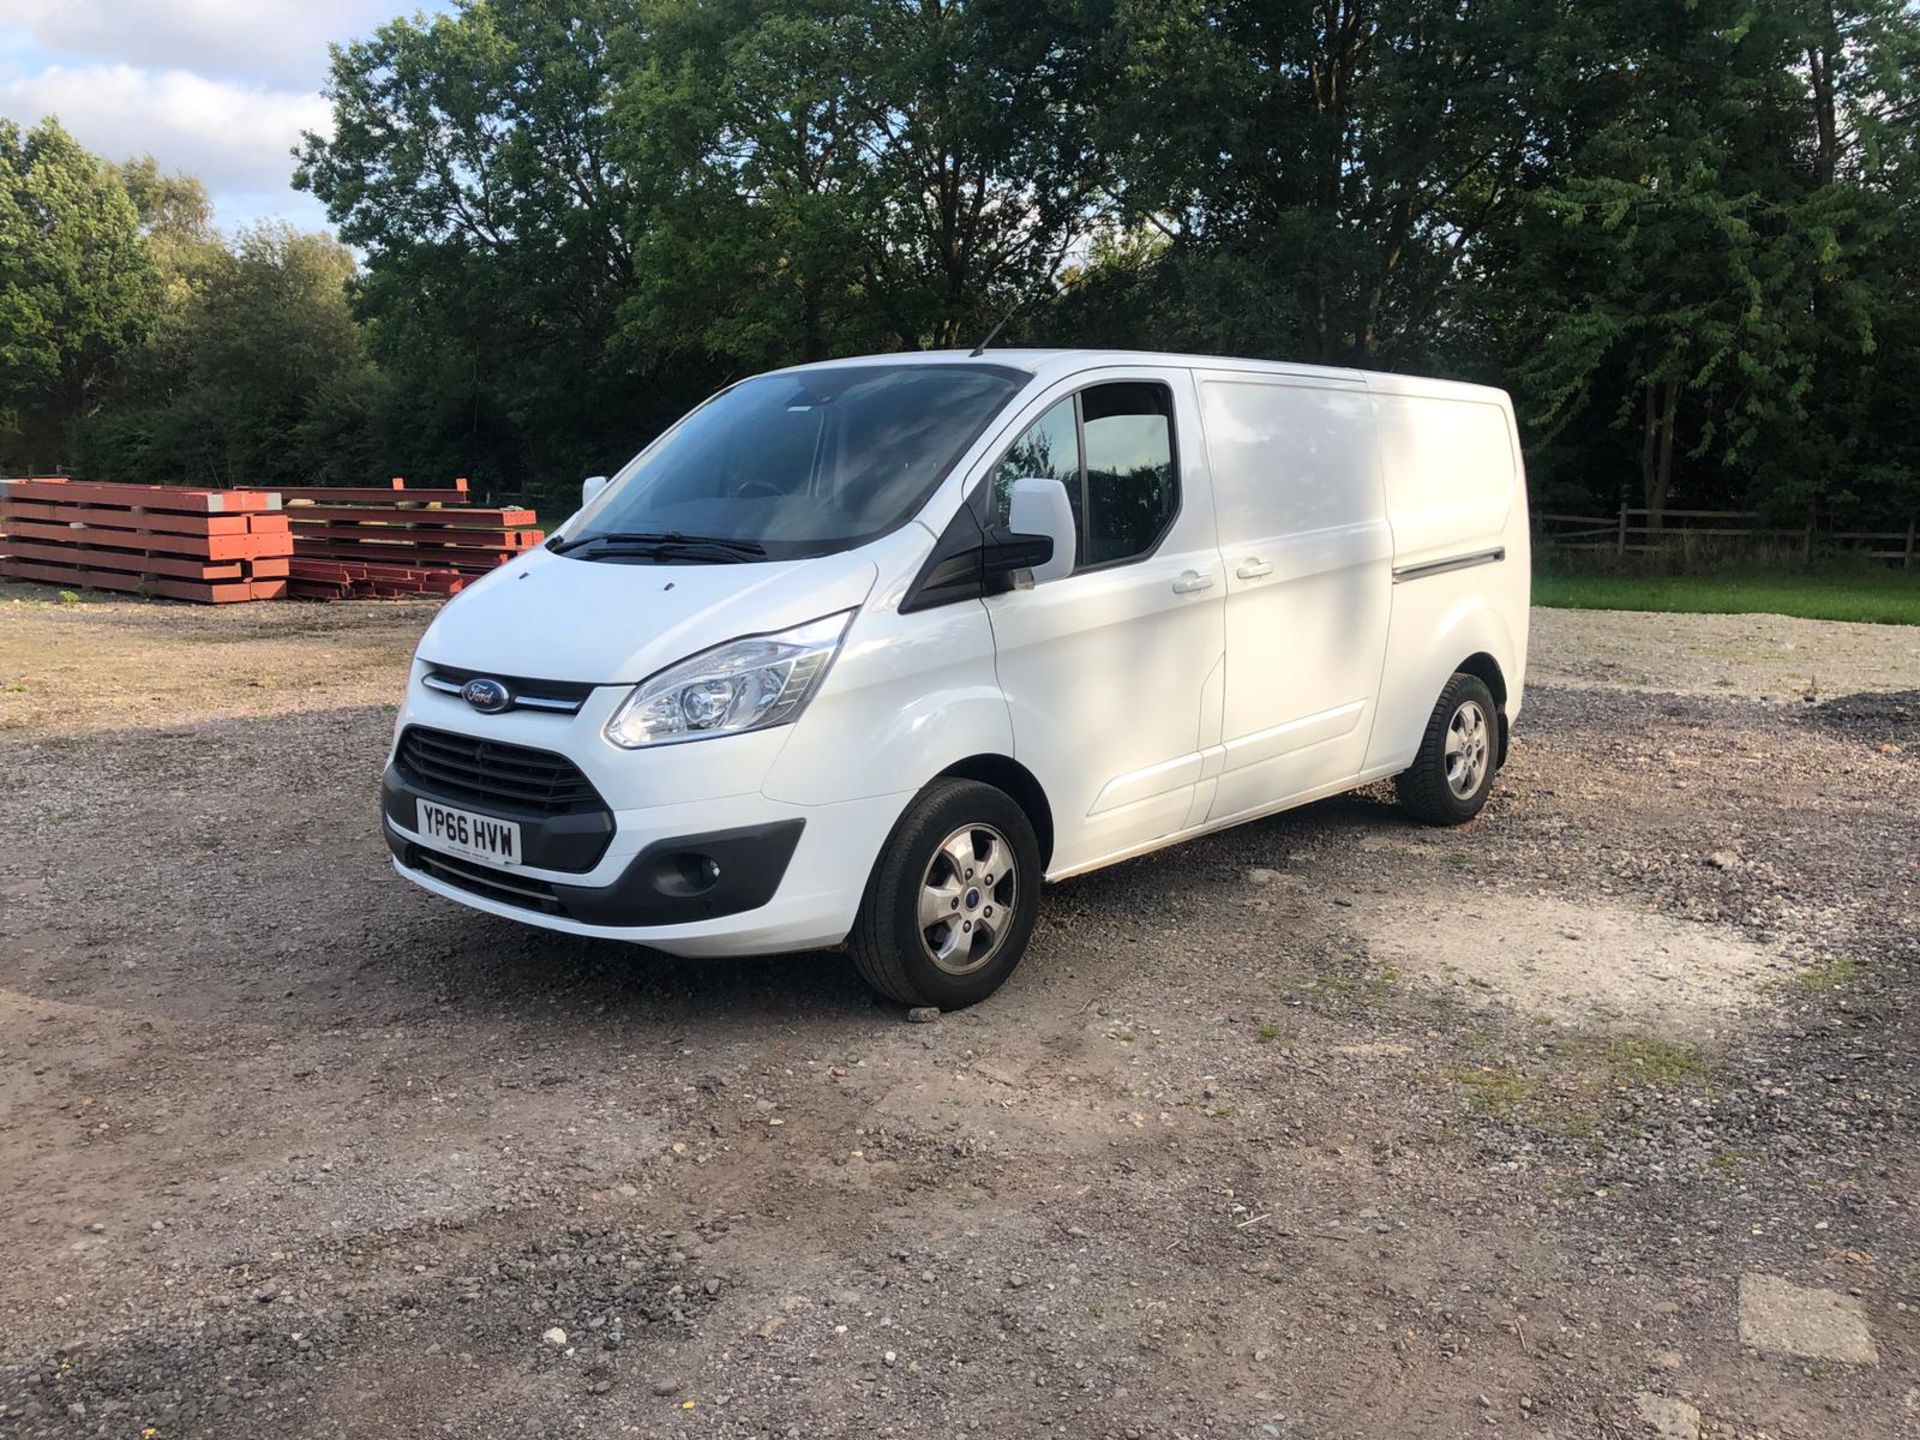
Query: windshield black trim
782, 550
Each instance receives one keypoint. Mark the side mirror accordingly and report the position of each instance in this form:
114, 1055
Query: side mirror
591, 487
1038, 506
1004, 553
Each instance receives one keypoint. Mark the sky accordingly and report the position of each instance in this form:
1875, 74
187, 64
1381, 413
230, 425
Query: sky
222, 88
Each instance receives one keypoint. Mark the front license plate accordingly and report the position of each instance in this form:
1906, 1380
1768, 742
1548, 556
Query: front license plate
478, 837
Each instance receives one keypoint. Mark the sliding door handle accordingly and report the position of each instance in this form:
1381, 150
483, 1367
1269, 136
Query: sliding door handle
1253, 569
1191, 581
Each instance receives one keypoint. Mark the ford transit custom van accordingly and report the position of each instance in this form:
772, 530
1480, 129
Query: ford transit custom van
867, 652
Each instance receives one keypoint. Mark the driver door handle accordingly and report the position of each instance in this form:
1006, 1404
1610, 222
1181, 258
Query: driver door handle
1191, 581
1254, 569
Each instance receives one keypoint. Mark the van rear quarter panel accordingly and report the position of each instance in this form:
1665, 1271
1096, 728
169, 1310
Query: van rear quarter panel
1456, 487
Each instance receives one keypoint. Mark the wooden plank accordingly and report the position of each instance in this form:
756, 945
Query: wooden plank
205, 547
119, 517
366, 494
306, 568
477, 562
497, 517
1678, 530
87, 558
144, 497
437, 538
349, 579
118, 580
401, 546
1703, 514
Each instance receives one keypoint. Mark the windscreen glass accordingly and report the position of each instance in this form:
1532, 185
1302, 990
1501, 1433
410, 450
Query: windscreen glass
804, 463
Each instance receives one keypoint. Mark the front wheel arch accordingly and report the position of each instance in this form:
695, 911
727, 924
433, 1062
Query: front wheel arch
892, 944
1005, 773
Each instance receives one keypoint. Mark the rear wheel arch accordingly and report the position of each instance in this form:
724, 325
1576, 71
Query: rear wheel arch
1487, 670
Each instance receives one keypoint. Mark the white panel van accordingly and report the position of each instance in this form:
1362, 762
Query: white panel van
864, 652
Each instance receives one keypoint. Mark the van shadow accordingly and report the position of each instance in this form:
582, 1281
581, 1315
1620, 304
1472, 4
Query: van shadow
1287, 839
486, 962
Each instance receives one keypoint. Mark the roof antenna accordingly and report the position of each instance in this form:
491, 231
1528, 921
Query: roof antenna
981, 348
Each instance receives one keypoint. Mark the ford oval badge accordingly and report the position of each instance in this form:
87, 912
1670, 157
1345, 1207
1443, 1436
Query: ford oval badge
489, 697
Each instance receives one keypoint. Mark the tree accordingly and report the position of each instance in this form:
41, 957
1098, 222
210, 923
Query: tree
471, 160
276, 383
753, 195
1347, 155
1711, 258
76, 287
823, 176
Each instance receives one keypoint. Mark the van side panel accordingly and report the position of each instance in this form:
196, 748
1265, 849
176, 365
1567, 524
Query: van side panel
1456, 500
1449, 471
1308, 552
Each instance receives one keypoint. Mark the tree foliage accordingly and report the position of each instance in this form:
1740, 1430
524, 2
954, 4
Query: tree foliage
1682, 232
252, 383
76, 285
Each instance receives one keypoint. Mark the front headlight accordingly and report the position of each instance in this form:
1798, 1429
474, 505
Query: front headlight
743, 685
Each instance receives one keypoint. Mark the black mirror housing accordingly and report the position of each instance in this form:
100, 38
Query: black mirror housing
969, 562
1004, 552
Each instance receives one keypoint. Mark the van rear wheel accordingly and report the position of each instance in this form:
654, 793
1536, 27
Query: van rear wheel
1451, 777
951, 901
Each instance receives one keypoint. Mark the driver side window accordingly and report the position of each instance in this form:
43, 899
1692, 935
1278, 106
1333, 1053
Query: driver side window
1050, 448
1112, 447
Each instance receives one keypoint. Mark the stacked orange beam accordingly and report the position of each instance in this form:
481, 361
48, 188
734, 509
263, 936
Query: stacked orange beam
397, 541
207, 545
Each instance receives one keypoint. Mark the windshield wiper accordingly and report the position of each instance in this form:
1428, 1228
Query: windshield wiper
648, 542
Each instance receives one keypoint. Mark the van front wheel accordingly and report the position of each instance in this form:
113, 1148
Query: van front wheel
952, 898
1450, 778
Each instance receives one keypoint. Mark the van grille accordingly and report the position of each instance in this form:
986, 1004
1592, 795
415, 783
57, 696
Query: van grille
490, 773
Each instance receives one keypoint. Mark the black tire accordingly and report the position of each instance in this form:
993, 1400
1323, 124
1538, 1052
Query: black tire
890, 949
1426, 790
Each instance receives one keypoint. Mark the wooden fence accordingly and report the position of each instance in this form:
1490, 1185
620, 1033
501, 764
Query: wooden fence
1634, 532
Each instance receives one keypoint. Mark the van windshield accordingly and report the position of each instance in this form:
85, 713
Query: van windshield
799, 464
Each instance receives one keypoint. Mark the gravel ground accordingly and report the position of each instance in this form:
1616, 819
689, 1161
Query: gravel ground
1593, 1118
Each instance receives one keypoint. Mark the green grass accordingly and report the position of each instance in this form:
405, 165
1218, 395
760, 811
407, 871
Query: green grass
1574, 1092
1825, 976
1889, 597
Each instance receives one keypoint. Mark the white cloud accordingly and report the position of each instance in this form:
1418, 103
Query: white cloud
235, 137
278, 42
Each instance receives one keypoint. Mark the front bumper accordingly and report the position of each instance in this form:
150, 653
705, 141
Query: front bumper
677, 881
659, 803
812, 903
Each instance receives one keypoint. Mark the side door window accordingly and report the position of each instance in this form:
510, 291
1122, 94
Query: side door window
1112, 447
1132, 491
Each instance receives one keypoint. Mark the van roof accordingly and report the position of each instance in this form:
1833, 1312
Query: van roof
1056, 364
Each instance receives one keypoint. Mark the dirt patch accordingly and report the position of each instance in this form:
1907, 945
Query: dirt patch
290, 1147
1810, 1324
1593, 967
1771, 657
112, 663
1887, 721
